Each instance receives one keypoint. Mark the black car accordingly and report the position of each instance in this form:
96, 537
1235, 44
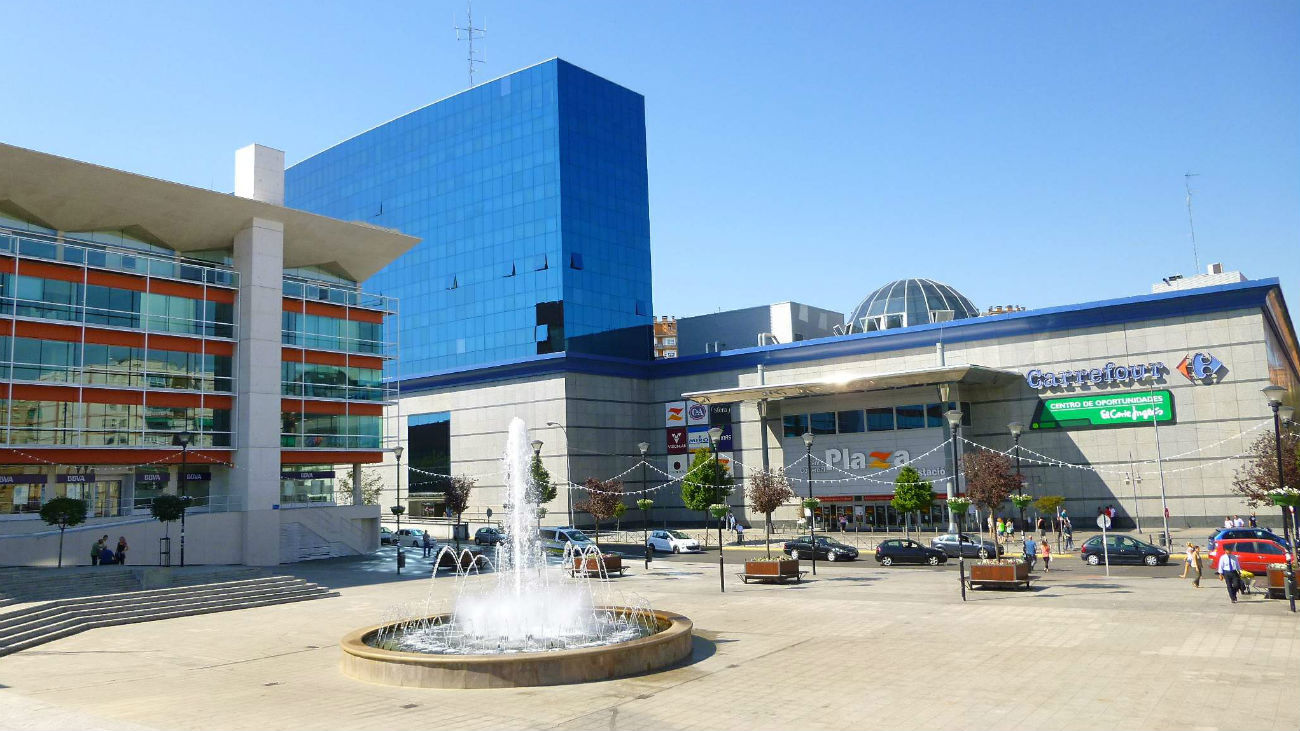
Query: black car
828, 549
971, 546
1231, 533
1122, 549
901, 550
489, 537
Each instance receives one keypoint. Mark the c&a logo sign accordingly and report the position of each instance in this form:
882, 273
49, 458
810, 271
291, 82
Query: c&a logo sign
1199, 367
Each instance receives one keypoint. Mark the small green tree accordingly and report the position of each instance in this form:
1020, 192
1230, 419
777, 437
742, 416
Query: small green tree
767, 491
911, 495
1049, 505
705, 484
541, 489
619, 511
64, 512
457, 495
372, 484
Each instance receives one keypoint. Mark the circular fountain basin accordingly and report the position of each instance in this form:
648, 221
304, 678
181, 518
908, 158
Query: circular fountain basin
670, 644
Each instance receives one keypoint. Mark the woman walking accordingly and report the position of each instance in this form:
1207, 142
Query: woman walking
1192, 562
1046, 549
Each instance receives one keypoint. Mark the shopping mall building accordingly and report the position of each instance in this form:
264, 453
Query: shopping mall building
161, 339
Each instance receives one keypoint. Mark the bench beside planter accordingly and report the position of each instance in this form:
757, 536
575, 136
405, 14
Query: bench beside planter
1002, 572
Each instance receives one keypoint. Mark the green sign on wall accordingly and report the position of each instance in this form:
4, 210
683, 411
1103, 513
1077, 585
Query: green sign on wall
1113, 409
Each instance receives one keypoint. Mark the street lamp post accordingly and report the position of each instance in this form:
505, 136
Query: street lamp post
568, 469
715, 435
1016, 429
398, 509
183, 439
954, 424
812, 519
1274, 395
644, 447
537, 457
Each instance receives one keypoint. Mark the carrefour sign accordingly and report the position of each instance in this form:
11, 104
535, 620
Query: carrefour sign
1105, 410
1110, 373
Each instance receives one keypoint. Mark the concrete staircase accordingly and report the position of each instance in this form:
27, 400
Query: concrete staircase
37, 623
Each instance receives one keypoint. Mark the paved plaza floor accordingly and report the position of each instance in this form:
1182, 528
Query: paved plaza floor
858, 647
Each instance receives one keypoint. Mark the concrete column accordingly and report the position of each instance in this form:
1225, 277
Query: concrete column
259, 174
356, 484
259, 258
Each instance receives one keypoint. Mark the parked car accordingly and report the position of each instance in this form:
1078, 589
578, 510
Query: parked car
555, 539
673, 541
385, 536
1259, 533
901, 550
413, 537
1122, 549
826, 548
1254, 555
489, 536
971, 546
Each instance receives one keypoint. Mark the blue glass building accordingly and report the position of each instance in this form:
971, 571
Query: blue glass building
530, 196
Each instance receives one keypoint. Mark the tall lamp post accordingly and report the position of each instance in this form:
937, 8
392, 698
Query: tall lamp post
719, 509
568, 469
398, 509
954, 426
1016, 429
536, 444
1274, 395
183, 439
812, 519
644, 447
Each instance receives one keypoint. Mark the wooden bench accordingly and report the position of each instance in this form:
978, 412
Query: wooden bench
778, 578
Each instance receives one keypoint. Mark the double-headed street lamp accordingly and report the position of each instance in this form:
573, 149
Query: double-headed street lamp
397, 509
715, 436
812, 519
954, 426
1281, 413
1016, 429
644, 447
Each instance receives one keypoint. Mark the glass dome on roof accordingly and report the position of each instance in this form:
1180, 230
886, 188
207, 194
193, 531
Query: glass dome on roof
908, 302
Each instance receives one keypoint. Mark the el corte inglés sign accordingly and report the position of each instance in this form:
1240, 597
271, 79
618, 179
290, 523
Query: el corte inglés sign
1144, 407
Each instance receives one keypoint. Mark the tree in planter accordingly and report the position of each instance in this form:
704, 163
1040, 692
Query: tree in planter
458, 491
619, 511
767, 491
64, 512
990, 478
1259, 474
911, 495
1050, 505
372, 483
603, 498
706, 483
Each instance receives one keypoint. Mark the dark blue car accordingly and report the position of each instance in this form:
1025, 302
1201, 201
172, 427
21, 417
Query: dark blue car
1231, 533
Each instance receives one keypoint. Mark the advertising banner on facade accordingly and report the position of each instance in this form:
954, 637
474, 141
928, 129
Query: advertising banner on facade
720, 414
697, 437
696, 414
1121, 409
727, 462
726, 442
676, 439
677, 466
675, 413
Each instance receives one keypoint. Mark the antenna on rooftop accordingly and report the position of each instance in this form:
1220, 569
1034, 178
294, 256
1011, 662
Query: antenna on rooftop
468, 33
1187, 184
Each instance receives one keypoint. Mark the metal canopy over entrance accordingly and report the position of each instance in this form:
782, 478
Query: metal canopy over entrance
847, 383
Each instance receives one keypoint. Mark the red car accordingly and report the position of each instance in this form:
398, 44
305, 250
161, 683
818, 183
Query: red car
1254, 554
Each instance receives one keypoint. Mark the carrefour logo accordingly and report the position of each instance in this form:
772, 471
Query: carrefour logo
1199, 367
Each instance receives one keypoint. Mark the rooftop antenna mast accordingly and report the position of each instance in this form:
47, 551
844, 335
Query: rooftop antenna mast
468, 33
1187, 184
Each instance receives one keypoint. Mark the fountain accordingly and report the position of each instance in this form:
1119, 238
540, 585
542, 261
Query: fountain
530, 623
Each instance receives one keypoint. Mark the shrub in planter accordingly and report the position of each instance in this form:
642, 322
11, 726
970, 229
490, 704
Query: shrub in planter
772, 566
999, 569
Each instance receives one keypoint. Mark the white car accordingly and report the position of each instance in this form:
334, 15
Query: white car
671, 541
413, 537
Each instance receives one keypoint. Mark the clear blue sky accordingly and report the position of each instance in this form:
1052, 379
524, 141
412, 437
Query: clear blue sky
1028, 153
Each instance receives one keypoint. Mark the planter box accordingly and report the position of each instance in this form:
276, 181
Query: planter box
999, 573
466, 560
783, 567
592, 565
1277, 583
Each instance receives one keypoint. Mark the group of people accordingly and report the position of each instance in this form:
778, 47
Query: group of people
1236, 522
102, 555
1006, 528
1034, 549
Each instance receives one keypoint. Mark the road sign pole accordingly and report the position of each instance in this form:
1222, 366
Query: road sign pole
1103, 522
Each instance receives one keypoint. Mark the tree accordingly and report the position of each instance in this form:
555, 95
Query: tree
458, 491
619, 511
372, 484
911, 494
989, 479
705, 484
1259, 474
1049, 505
64, 512
603, 498
767, 491
541, 490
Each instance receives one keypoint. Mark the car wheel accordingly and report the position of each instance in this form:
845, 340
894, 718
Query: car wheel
1152, 560
984, 553
1094, 559
830, 556
794, 553
887, 561
933, 560
677, 549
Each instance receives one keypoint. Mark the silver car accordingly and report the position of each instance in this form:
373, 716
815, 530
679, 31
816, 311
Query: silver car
971, 546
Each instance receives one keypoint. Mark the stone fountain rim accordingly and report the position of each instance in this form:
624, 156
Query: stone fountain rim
354, 644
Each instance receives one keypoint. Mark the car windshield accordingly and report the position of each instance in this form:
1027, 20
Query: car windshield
577, 536
830, 542
678, 534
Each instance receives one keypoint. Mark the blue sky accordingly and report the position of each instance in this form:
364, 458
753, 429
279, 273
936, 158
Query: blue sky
1024, 153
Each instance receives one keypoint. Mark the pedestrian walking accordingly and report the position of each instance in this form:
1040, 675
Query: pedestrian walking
1031, 552
1229, 571
1069, 533
1254, 522
844, 524
427, 544
1046, 550
740, 534
1002, 527
1042, 528
1193, 562
119, 556
1237, 522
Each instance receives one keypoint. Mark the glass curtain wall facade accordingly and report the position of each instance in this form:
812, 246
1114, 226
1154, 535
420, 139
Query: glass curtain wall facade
529, 195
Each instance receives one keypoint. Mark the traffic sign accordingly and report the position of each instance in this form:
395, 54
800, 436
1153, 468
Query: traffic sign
1103, 521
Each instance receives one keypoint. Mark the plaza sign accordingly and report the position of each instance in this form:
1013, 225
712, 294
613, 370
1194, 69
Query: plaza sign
1110, 373
1104, 410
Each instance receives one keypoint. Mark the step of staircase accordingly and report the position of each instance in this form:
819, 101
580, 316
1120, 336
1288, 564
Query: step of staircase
21, 584
49, 621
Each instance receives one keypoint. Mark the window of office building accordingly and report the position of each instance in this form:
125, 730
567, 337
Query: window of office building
428, 438
850, 422
795, 425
